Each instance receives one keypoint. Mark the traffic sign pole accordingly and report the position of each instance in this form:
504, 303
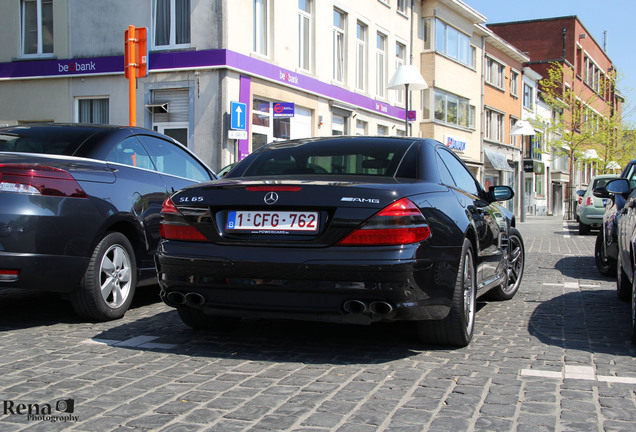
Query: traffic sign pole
132, 76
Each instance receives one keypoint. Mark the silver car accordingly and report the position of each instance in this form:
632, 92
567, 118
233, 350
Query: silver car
590, 210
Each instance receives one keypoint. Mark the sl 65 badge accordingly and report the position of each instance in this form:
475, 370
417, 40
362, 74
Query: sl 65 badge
190, 199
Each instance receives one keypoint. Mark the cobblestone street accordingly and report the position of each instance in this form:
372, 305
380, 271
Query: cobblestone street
557, 357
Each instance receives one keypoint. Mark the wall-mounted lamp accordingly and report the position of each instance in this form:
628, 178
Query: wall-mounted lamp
582, 36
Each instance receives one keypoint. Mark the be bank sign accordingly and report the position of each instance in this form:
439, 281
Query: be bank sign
61, 68
75, 66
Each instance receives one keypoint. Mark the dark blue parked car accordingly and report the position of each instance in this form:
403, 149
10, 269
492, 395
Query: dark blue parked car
606, 249
626, 236
79, 209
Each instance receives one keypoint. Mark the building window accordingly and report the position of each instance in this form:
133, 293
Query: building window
338, 125
383, 130
494, 125
539, 185
338, 45
495, 73
380, 65
593, 76
533, 147
453, 110
361, 127
528, 96
37, 27
424, 32
92, 111
361, 56
454, 44
514, 83
513, 139
266, 127
304, 34
401, 6
172, 23
400, 59
261, 18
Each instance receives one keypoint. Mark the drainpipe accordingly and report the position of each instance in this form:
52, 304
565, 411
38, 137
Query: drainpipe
483, 101
565, 31
407, 96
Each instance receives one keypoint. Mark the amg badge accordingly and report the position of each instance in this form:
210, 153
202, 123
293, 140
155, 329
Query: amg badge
361, 200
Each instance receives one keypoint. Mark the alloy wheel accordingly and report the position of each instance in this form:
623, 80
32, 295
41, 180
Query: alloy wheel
115, 276
469, 292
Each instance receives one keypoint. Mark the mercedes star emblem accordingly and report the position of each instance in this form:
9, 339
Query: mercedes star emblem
271, 198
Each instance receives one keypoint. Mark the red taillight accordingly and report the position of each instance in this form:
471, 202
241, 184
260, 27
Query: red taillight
173, 225
39, 180
589, 201
397, 224
9, 275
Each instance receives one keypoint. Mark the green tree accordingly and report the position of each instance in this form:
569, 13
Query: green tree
582, 119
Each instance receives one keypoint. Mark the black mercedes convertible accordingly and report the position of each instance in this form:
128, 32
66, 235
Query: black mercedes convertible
341, 229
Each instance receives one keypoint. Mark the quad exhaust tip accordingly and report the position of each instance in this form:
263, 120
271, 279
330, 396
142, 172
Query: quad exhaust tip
375, 308
177, 298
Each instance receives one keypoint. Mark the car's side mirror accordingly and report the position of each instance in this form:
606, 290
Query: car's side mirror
580, 192
500, 193
618, 186
601, 192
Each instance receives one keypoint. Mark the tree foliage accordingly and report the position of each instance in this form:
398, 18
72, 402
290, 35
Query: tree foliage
584, 119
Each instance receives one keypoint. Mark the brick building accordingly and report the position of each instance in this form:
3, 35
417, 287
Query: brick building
565, 41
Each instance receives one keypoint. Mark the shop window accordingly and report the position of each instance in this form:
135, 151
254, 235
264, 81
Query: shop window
92, 111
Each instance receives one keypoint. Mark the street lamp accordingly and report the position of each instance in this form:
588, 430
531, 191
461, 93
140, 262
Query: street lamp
522, 128
407, 75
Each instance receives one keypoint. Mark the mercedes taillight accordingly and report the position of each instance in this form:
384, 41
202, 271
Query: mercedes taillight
39, 180
397, 224
174, 226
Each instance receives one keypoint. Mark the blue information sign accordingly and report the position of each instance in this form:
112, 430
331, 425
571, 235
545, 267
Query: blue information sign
238, 114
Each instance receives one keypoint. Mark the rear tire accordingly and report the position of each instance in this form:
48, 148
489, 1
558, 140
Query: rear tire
198, 320
583, 229
605, 265
108, 286
634, 308
623, 286
458, 327
515, 262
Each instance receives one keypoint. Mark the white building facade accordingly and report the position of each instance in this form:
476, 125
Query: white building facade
331, 59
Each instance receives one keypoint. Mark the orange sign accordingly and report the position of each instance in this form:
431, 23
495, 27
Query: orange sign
136, 40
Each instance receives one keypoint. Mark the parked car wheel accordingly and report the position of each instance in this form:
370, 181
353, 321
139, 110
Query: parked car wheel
623, 287
605, 265
108, 285
198, 320
634, 308
516, 264
458, 327
583, 229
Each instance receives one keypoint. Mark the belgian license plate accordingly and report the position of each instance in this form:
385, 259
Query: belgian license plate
272, 221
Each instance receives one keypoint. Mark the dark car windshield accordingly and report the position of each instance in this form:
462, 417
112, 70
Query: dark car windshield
355, 157
47, 140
